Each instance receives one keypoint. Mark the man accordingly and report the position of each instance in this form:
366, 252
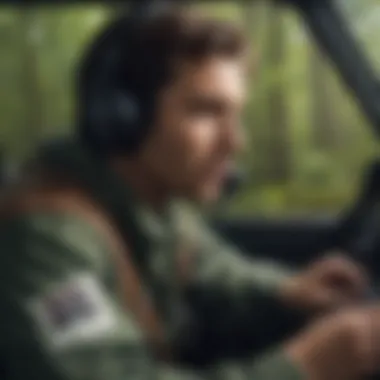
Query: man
99, 263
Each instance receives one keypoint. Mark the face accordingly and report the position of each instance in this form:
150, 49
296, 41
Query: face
198, 132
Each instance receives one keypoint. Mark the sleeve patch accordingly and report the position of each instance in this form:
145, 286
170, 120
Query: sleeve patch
76, 311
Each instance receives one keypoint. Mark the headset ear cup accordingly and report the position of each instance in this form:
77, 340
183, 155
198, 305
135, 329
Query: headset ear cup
112, 123
97, 121
127, 128
127, 111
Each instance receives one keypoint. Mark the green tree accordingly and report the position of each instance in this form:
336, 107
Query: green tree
279, 157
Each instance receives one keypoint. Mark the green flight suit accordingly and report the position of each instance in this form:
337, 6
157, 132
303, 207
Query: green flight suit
62, 316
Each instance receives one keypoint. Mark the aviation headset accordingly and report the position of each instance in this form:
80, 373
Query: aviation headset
115, 97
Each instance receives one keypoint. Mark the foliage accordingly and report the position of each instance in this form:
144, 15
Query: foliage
307, 139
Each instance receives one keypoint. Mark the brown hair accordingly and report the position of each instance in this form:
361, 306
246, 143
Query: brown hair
181, 35
150, 48
189, 35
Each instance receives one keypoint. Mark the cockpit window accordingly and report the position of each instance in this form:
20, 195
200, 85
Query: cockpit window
364, 19
307, 140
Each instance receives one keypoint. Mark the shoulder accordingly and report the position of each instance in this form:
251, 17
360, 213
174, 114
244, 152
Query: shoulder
50, 236
65, 225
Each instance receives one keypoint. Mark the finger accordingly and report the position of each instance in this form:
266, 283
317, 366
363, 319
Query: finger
345, 274
339, 299
330, 300
332, 258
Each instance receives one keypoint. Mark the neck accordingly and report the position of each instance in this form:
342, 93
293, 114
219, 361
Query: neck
142, 183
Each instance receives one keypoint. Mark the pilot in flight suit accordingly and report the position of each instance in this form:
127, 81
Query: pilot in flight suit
97, 282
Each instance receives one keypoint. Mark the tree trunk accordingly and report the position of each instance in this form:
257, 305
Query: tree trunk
254, 21
28, 26
279, 152
324, 128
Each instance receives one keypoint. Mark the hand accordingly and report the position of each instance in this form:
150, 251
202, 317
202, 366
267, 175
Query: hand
327, 284
344, 346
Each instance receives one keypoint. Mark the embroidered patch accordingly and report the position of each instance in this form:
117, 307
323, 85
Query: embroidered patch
74, 312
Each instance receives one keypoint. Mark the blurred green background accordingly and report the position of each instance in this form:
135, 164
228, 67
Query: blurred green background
307, 139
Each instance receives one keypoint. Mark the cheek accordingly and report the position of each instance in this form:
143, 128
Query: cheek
195, 144
186, 151
199, 138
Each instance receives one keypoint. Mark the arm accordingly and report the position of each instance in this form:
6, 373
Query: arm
218, 258
60, 319
224, 268
245, 291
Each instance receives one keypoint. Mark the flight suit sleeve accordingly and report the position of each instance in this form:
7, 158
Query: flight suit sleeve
225, 282
222, 262
220, 268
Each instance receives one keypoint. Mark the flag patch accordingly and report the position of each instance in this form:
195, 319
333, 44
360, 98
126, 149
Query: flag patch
76, 311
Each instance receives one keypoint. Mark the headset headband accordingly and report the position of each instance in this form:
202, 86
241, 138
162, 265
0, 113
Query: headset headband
116, 113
